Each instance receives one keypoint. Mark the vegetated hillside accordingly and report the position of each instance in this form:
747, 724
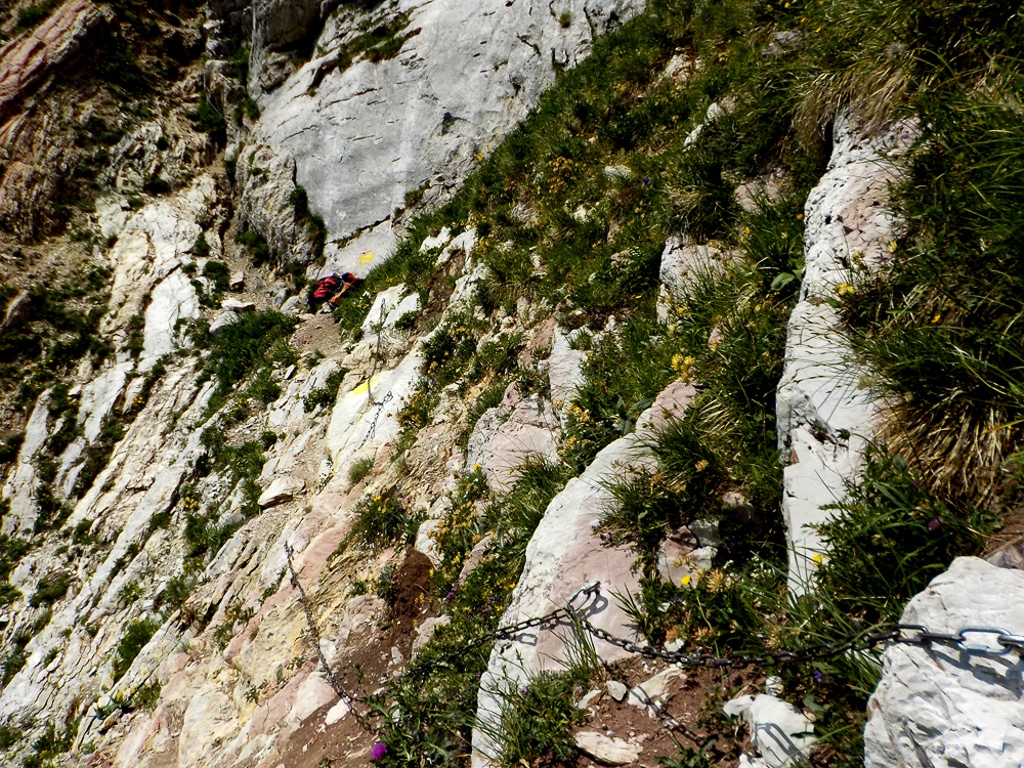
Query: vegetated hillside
148, 606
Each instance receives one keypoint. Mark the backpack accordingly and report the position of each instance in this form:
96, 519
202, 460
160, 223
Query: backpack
327, 287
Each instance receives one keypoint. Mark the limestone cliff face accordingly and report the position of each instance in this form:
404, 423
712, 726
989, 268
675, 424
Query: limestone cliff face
162, 486
395, 97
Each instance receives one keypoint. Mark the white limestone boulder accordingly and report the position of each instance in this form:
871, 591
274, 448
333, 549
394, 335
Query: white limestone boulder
607, 750
939, 706
282, 489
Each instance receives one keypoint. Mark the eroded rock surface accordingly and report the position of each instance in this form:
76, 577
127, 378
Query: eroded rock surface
938, 706
463, 75
826, 415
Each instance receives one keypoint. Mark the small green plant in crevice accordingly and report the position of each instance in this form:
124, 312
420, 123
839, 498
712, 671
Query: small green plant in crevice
538, 717
258, 248
31, 15
449, 349
51, 744
621, 378
217, 273
209, 119
263, 388
10, 444
459, 529
50, 589
234, 615
239, 348
15, 658
360, 470
9, 735
176, 591
136, 635
383, 520
327, 394
147, 696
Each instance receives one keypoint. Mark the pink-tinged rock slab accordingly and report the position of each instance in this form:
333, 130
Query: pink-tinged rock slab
26, 61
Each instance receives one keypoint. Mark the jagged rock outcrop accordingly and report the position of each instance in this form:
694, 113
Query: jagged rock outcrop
826, 413
939, 705
443, 81
564, 555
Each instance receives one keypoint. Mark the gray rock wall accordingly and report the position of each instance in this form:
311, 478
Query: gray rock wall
364, 135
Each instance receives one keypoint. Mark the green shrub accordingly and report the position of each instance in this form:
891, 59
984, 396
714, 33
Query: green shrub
326, 395
215, 271
8, 593
16, 657
208, 119
360, 469
50, 589
9, 735
30, 16
10, 445
383, 520
239, 348
136, 634
264, 388
259, 250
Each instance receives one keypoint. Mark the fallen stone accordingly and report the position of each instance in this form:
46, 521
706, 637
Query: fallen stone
617, 690
237, 281
653, 694
778, 730
236, 305
281, 490
337, 713
607, 750
589, 698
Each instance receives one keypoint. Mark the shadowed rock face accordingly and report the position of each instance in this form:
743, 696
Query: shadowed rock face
360, 134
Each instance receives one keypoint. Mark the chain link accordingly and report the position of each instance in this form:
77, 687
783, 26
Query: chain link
343, 694
1002, 641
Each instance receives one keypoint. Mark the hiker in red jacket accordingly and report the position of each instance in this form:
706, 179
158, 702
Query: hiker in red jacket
333, 287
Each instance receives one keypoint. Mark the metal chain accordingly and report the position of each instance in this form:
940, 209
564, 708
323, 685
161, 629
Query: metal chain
339, 689
900, 634
377, 357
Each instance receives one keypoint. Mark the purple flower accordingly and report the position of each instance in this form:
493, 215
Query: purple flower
817, 675
934, 524
379, 750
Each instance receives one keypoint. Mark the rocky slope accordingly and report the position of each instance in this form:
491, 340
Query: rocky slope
208, 486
